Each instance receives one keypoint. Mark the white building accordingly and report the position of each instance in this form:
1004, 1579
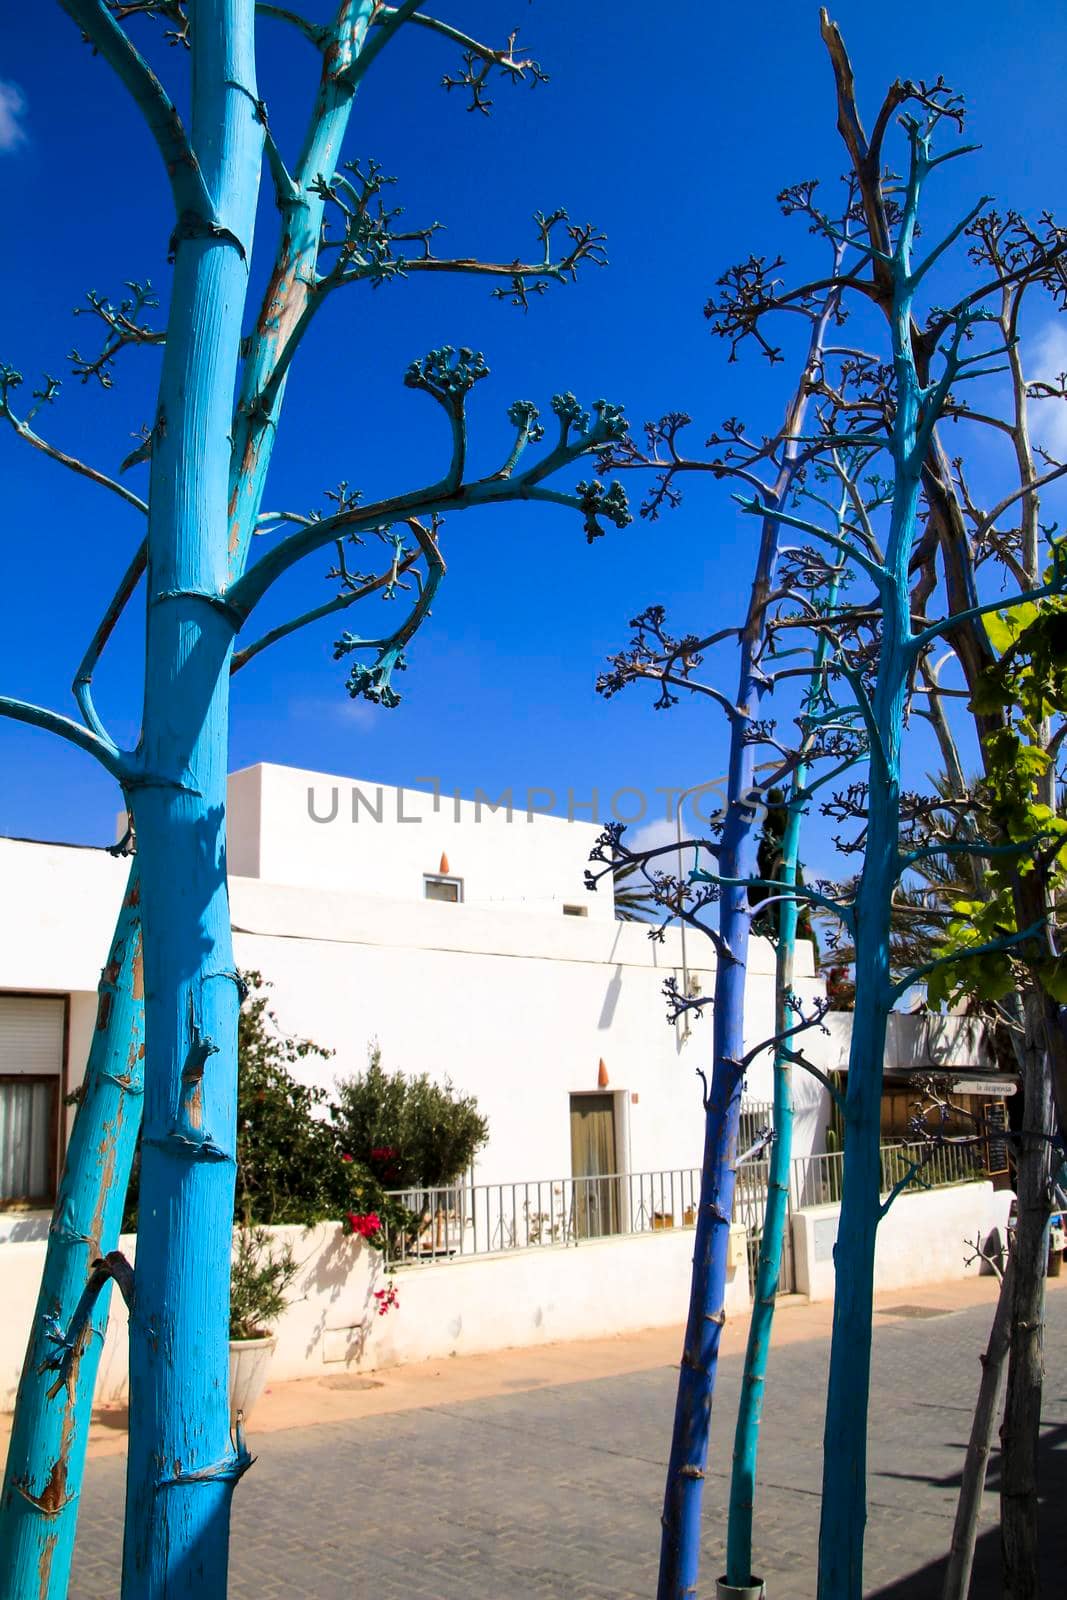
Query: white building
464, 941
461, 937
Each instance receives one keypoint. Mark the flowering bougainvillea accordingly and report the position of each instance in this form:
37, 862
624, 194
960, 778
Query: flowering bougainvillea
387, 1299
365, 1225
384, 1162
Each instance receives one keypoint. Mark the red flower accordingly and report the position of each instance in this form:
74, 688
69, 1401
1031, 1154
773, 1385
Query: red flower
346, 1158
387, 1299
365, 1225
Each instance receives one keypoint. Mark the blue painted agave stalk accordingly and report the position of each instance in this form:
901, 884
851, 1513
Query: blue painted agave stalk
46, 1455
734, 872
916, 411
776, 1216
182, 1466
207, 471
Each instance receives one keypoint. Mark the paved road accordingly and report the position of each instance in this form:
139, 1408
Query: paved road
554, 1494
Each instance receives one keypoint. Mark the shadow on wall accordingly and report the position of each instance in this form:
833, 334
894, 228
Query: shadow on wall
16, 1229
925, 1584
341, 1296
611, 999
811, 1113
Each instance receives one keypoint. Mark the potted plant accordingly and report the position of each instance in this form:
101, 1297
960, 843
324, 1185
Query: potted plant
259, 1278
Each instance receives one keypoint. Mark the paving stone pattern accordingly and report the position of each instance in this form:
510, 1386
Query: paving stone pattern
554, 1494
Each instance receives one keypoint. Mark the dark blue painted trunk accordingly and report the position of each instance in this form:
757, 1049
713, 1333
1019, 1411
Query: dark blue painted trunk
735, 865
680, 1546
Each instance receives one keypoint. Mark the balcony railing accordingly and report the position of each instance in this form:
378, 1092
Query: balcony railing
818, 1179
463, 1220
481, 1219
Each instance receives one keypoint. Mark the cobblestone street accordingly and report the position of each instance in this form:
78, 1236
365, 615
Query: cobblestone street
555, 1492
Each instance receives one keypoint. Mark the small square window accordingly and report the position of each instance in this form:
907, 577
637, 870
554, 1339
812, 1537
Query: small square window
448, 889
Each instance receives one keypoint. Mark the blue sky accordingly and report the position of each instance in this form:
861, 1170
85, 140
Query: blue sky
674, 134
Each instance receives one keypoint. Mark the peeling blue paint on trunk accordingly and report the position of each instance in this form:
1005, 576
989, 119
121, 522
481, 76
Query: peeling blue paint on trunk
46, 1456
182, 1465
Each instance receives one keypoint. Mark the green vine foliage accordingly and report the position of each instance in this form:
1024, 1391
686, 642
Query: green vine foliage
288, 1163
305, 1157
1028, 685
260, 1276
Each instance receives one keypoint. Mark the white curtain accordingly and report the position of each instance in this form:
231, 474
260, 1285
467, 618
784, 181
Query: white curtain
25, 1139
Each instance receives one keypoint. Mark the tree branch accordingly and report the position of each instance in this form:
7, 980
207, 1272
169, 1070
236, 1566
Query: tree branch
161, 117
963, 953
107, 753
10, 379
83, 678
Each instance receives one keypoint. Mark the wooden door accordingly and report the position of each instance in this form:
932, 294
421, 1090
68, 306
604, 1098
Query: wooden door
594, 1163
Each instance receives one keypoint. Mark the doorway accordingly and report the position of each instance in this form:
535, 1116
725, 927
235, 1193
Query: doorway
595, 1165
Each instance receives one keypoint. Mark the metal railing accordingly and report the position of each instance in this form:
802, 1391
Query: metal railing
818, 1179
481, 1219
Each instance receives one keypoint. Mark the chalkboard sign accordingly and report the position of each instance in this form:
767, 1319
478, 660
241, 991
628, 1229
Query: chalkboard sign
996, 1124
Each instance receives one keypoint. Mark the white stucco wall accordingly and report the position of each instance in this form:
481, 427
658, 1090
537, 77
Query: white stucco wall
913, 1039
327, 832
923, 1238
515, 1004
492, 1303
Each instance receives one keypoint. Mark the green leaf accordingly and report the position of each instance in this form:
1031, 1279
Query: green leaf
1053, 976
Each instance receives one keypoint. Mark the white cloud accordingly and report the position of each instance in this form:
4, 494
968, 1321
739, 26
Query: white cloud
650, 835
340, 708
12, 106
359, 712
1046, 360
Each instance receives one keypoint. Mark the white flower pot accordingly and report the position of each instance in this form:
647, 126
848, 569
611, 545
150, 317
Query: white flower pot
732, 1591
249, 1363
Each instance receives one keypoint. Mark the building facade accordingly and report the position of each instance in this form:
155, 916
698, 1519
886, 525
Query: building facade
458, 935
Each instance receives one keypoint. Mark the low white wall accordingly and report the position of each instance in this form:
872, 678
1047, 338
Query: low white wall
601, 1287
923, 1238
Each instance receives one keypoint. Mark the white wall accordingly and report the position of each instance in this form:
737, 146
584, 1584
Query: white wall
913, 1039
600, 1287
923, 1238
516, 1006
516, 1009
342, 833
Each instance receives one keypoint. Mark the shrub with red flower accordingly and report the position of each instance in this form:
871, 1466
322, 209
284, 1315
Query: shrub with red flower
365, 1225
384, 1161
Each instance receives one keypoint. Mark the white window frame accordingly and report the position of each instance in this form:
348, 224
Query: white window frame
442, 877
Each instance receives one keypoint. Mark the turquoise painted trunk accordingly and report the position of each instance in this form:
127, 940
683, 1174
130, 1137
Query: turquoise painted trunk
182, 1464
776, 1216
844, 1501
46, 1457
